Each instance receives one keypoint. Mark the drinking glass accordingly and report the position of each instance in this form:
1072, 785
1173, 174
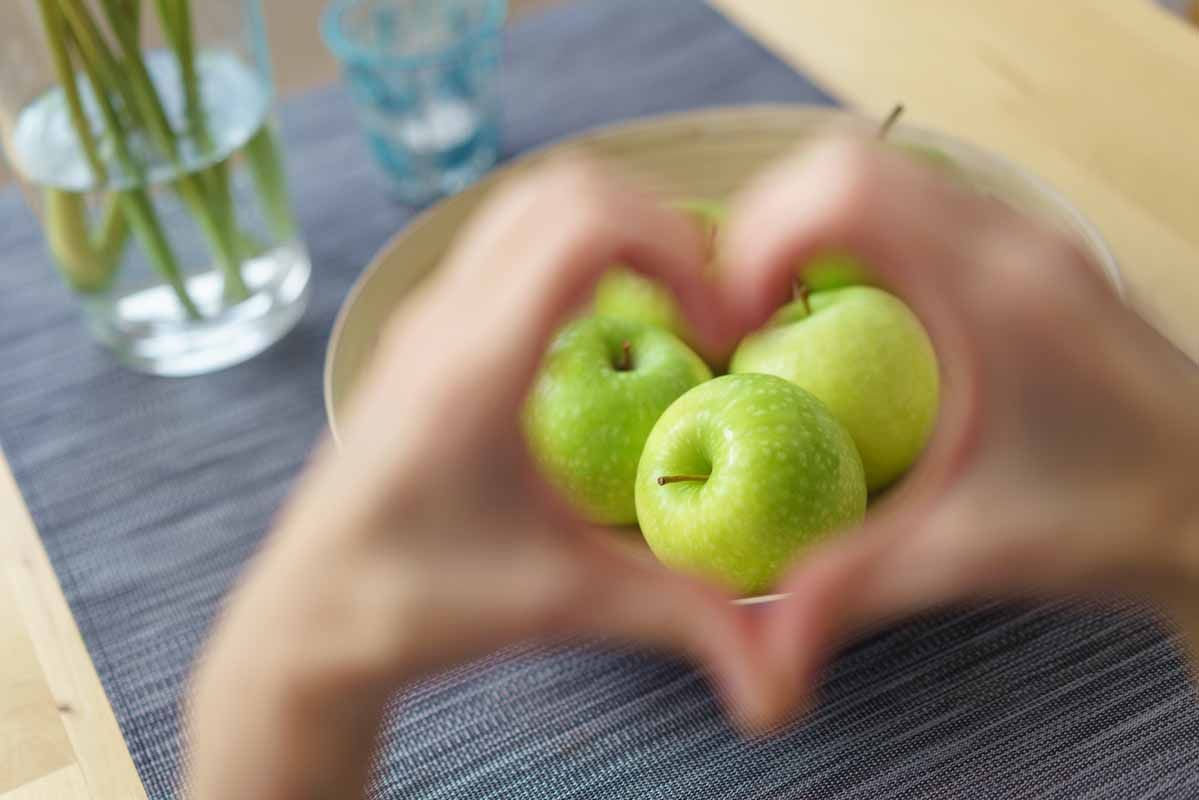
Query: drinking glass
422, 78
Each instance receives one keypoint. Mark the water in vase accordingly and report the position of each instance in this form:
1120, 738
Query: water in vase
182, 244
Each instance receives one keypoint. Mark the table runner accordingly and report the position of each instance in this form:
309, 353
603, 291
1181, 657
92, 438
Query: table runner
150, 494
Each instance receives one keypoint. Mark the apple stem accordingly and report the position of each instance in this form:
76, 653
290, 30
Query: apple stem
801, 292
665, 479
626, 356
890, 121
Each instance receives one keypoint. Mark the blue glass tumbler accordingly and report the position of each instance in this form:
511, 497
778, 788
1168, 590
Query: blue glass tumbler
422, 77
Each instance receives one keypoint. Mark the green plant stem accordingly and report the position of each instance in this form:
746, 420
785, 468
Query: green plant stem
235, 285
175, 20
88, 261
66, 224
250, 246
70, 243
136, 202
107, 72
262, 151
266, 168
130, 18
140, 210
87, 266
175, 17
187, 56
219, 235
57, 37
139, 96
137, 81
113, 236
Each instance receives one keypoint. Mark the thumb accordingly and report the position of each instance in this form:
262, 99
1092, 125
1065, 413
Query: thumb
896, 565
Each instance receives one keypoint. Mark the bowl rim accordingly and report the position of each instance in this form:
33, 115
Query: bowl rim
1098, 246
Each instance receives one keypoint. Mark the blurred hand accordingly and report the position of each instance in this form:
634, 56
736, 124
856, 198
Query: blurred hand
428, 540
1066, 451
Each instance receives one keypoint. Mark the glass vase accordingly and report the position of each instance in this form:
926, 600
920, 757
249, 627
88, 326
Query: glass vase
143, 134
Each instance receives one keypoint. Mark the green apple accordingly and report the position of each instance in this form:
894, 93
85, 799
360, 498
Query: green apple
866, 356
602, 385
833, 270
708, 213
626, 294
939, 162
930, 157
740, 474
621, 292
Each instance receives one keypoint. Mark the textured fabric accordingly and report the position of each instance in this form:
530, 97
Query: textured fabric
150, 494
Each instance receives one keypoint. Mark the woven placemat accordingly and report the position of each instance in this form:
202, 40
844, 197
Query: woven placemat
150, 494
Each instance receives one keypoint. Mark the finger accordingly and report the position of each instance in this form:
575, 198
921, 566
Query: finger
828, 600
908, 558
534, 253
847, 196
942, 247
629, 597
918, 234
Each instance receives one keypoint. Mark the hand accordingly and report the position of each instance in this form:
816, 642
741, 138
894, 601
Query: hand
1066, 451
427, 540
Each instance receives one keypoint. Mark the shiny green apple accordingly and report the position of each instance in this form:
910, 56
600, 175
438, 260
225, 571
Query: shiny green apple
621, 292
740, 474
933, 158
866, 356
626, 294
602, 385
833, 270
710, 214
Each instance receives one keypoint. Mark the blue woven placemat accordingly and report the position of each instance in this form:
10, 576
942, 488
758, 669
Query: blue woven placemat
150, 494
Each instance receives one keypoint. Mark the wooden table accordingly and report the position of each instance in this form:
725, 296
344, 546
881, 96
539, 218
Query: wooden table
1099, 97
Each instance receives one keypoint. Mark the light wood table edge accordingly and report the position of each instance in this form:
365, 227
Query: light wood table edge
1069, 97
101, 763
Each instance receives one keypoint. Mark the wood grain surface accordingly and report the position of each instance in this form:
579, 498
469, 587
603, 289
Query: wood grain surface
1097, 97
58, 736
